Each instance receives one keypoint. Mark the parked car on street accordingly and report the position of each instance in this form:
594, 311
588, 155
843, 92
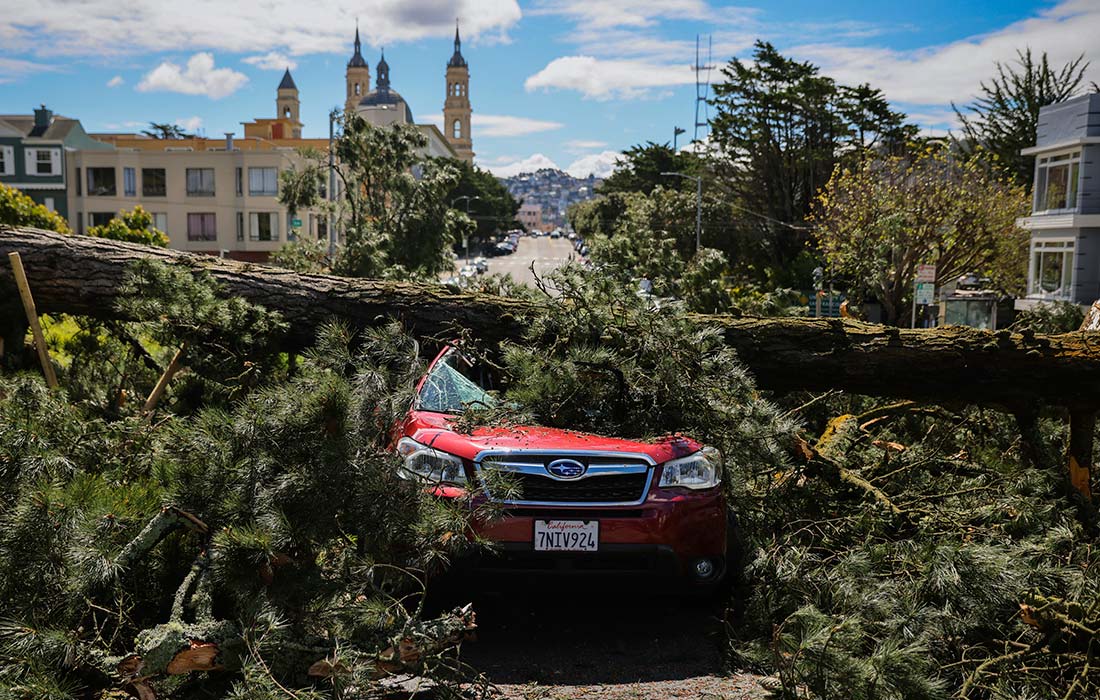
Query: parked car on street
576, 502
556, 233
468, 271
481, 264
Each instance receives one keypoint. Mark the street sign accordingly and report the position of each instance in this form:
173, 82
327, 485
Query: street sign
926, 273
296, 223
925, 293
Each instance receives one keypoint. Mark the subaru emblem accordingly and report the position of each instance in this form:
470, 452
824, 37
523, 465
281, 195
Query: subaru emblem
566, 468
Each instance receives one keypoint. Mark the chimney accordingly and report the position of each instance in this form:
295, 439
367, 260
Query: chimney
228, 140
42, 119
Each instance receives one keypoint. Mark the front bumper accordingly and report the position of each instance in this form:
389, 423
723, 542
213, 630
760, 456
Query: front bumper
664, 536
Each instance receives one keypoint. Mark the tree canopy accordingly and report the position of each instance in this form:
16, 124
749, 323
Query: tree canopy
1004, 117
877, 221
640, 169
135, 226
780, 129
491, 205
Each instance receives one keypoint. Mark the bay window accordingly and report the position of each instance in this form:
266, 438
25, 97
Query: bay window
1056, 181
1051, 275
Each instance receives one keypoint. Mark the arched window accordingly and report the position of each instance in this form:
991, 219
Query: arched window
458, 90
457, 129
286, 112
357, 88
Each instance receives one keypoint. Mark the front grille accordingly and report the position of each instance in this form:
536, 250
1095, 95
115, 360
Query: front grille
608, 479
612, 488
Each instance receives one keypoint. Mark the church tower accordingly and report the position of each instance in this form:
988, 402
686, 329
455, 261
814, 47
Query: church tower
456, 108
357, 76
286, 104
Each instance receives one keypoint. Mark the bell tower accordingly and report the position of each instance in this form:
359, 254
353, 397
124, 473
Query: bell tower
357, 76
456, 108
286, 105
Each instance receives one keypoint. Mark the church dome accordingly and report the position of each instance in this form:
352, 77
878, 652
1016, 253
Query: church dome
386, 99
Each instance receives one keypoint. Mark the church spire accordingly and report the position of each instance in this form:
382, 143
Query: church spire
357, 60
383, 73
457, 61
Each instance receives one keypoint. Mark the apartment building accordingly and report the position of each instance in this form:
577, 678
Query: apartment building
216, 196
1065, 218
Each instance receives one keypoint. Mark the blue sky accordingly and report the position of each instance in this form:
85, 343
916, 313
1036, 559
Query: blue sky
553, 82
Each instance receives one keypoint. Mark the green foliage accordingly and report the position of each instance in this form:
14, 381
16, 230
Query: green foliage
306, 255
17, 209
640, 169
314, 546
877, 222
133, 227
848, 600
397, 223
1003, 120
492, 206
781, 127
1050, 318
164, 130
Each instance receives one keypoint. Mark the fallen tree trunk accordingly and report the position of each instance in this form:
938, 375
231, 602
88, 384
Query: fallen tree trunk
82, 275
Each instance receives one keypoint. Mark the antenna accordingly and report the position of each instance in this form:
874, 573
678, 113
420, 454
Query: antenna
702, 86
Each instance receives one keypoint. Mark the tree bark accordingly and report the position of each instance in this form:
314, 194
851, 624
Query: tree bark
83, 275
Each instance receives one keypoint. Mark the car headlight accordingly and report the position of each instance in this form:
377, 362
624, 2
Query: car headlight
701, 470
430, 465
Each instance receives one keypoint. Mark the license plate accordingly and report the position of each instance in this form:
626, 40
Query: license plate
567, 535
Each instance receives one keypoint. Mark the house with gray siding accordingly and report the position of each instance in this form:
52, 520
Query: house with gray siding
1064, 260
33, 153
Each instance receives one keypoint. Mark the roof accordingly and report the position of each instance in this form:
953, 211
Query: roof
384, 98
457, 61
357, 60
287, 82
58, 129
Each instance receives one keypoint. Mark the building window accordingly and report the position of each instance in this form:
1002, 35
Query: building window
240, 226
7, 160
48, 202
264, 226
42, 161
240, 181
100, 218
101, 182
1051, 271
129, 182
201, 227
263, 181
357, 88
322, 227
160, 222
80, 223
79, 184
457, 129
1056, 182
154, 182
200, 182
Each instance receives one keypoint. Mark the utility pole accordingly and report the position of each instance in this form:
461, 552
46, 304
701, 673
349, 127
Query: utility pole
332, 117
465, 237
676, 131
698, 206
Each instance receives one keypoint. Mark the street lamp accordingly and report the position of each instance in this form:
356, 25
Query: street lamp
465, 237
698, 205
332, 117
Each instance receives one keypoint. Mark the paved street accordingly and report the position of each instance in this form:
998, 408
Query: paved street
547, 254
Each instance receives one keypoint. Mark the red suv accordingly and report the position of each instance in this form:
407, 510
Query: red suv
574, 501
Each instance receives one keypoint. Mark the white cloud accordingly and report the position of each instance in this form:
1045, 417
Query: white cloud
952, 72
272, 60
598, 164
95, 27
604, 79
200, 77
583, 145
190, 124
602, 14
501, 125
529, 164
115, 81
12, 68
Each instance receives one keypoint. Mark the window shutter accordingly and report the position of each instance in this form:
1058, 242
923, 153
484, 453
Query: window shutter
55, 161
29, 160
9, 160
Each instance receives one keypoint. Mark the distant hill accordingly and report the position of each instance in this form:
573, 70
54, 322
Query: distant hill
554, 190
